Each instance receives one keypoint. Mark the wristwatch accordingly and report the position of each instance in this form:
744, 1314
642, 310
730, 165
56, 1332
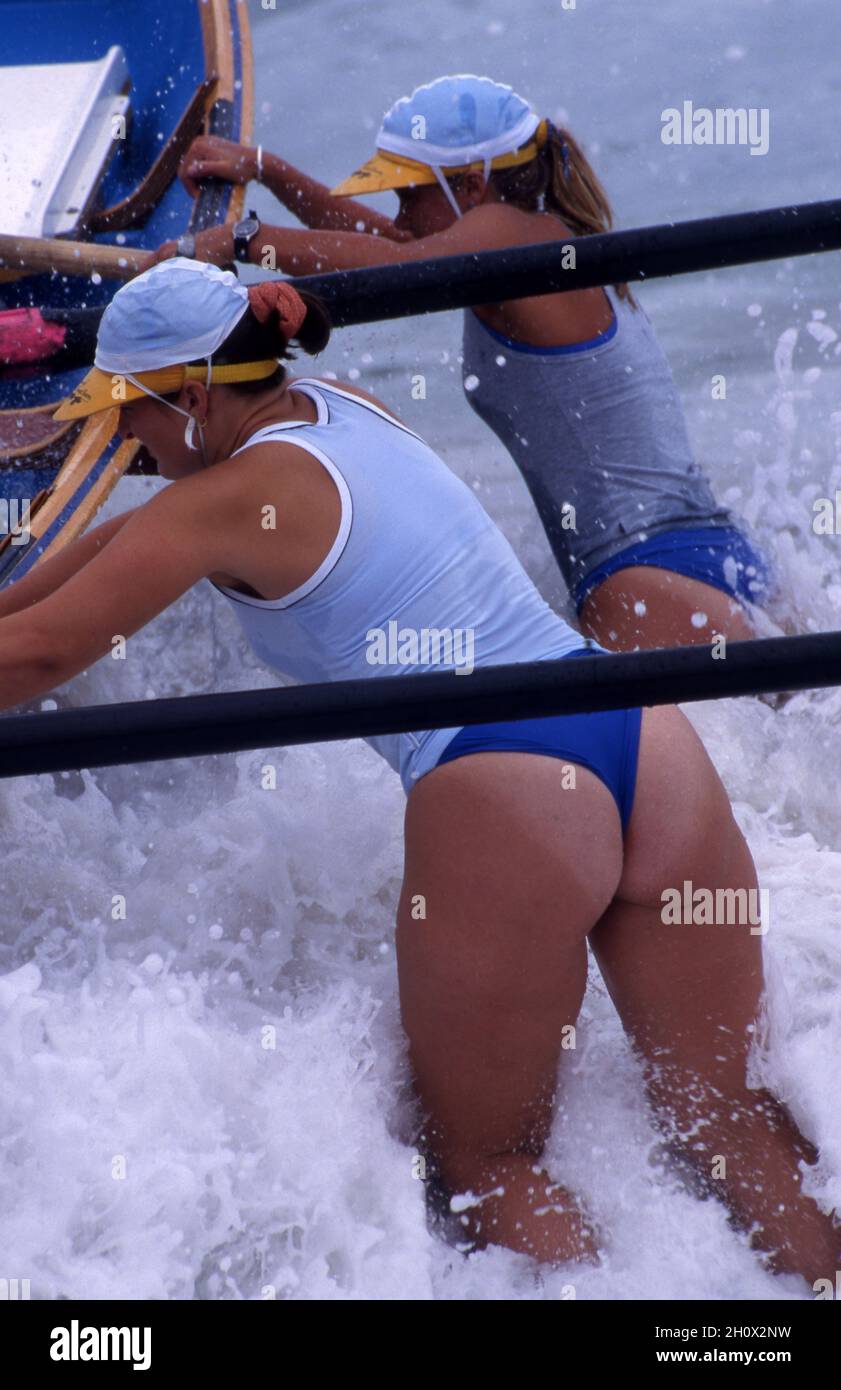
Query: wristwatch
186, 245
244, 231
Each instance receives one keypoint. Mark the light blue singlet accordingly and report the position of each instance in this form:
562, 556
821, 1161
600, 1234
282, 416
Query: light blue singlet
415, 553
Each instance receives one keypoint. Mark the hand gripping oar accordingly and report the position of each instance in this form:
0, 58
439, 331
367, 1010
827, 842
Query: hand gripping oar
381, 292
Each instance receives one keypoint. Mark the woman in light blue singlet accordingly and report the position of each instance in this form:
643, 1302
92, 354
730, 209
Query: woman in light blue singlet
575, 385
523, 841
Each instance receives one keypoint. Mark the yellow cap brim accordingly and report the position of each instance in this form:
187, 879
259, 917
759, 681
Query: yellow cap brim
94, 393
102, 390
383, 172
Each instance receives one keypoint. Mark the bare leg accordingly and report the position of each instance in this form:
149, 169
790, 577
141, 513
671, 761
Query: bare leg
513, 869
689, 995
643, 606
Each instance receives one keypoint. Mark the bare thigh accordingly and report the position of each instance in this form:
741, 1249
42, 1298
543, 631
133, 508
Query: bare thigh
683, 991
511, 869
644, 606
507, 872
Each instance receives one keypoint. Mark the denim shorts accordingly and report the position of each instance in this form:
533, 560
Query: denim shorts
721, 556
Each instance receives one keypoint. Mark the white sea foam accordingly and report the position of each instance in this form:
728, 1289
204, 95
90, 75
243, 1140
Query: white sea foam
139, 1039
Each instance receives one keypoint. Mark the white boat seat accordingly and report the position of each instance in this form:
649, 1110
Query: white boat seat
57, 137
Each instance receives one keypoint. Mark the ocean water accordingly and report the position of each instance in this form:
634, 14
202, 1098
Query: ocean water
203, 1079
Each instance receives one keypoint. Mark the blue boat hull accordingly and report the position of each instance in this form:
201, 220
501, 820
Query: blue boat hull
171, 47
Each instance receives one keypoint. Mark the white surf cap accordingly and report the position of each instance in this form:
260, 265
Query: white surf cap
173, 314
454, 123
177, 311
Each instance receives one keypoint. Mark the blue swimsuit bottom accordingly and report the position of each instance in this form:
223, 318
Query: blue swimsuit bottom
606, 743
718, 555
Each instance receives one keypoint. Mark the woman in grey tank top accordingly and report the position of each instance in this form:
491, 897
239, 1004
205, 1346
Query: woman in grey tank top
575, 385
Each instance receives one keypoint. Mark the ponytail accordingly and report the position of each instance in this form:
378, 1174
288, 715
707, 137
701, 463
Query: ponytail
561, 175
314, 333
264, 331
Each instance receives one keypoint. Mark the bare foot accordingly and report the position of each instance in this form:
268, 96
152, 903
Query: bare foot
516, 1204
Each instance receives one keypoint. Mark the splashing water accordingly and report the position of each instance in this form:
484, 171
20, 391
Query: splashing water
203, 1079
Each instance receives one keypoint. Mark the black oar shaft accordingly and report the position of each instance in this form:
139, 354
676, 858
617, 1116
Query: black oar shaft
188, 726
453, 282
643, 253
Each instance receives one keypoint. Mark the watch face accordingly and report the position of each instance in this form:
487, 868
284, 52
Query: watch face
247, 227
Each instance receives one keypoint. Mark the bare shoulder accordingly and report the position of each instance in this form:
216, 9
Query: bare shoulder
357, 391
514, 224
226, 491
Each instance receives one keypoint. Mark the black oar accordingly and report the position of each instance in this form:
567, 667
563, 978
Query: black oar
453, 282
643, 253
191, 725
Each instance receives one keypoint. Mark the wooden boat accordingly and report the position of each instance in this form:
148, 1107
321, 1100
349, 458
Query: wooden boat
99, 99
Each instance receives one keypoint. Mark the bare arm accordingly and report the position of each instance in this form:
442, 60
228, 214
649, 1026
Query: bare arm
314, 204
170, 542
50, 573
300, 252
211, 156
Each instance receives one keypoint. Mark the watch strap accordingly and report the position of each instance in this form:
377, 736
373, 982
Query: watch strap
242, 242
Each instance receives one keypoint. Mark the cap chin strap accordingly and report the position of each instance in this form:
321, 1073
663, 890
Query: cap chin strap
438, 172
436, 169
193, 423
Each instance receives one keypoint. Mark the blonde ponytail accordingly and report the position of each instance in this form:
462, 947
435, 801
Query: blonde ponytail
563, 179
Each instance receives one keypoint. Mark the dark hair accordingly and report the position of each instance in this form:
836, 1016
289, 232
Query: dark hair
561, 179
250, 341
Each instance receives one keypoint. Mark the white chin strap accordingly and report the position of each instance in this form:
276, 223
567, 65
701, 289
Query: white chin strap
448, 192
193, 423
439, 174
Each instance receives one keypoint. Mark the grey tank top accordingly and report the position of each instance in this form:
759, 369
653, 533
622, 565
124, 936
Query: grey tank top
598, 432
